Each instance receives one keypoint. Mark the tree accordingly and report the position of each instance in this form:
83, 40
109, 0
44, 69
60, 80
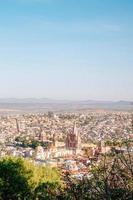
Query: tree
111, 179
22, 180
50, 186
15, 179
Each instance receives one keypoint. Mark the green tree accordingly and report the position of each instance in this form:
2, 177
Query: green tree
22, 180
112, 179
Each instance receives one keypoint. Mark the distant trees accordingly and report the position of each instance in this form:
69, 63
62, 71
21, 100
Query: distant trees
30, 143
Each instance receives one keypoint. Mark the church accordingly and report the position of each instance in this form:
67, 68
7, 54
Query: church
73, 140
71, 147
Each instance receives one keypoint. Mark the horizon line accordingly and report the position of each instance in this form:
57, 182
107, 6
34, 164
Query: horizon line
62, 99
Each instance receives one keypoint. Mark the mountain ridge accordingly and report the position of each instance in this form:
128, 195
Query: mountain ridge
56, 101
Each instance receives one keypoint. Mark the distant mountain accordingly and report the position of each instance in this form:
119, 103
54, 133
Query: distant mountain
31, 100
124, 102
95, 102
42, 105
53, 101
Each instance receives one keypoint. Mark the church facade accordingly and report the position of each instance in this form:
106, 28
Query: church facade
73, 140
72, 147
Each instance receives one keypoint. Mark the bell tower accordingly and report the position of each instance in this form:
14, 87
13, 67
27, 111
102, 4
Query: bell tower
73, 140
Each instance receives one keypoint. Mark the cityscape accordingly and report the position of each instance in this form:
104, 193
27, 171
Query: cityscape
66, 100
70, 141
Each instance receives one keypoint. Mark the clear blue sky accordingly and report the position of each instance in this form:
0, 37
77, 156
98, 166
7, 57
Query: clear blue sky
66, 49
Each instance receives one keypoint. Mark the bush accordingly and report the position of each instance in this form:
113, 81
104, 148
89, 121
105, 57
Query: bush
21, 179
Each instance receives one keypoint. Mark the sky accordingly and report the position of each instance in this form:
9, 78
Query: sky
66, 49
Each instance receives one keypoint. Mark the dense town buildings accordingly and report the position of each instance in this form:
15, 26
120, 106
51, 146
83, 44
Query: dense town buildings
66, 140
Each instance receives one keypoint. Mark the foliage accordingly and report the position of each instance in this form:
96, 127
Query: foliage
21, 179
111, 179
30, 143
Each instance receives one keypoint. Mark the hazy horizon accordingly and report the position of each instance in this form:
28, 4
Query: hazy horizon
66, 50
62, 99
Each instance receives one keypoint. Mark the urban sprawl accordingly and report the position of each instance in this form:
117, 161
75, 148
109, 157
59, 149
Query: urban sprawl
71, 142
